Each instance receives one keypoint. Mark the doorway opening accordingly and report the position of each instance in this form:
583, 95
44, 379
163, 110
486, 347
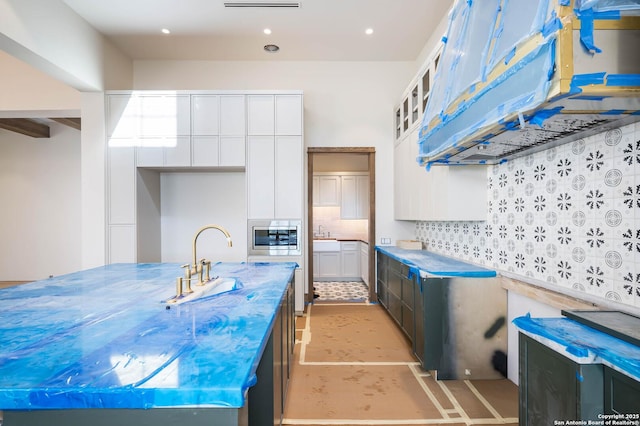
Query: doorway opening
341, 224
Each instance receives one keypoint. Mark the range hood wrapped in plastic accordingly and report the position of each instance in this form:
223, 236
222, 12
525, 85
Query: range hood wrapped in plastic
517, 76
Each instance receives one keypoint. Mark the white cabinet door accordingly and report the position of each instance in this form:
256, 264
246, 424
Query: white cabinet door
179, 155
165, 116
150, 157
122, 244
260, 114
354, 199
122, 192
329, 191
232, 115
288, 115
232, 151
205, 151
329, 264
288, 177
122, 116
261, 177
350, 259
205, 110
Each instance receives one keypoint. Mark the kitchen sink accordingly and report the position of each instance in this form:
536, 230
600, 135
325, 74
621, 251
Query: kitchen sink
326, 245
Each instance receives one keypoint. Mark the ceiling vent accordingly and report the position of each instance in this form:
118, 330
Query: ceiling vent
262, 4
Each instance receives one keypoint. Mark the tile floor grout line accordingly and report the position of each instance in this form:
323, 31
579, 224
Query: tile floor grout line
430, 394
482, 399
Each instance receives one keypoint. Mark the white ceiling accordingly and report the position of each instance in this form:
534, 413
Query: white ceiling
317, 30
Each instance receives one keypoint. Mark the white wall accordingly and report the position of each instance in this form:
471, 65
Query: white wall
40, 213
345, 104
192, 200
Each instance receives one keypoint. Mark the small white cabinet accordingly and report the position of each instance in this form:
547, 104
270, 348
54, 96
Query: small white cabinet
350, 260
354, 198
326, 190
328, 265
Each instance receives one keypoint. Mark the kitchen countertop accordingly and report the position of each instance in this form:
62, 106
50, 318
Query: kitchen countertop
426, 263
103, 338
582, 344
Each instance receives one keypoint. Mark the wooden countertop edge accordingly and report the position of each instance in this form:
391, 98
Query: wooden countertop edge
546, 296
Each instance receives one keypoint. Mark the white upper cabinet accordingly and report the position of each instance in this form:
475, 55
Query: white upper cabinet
354, 202
261, 113
274, 159
165, 116
328, 191
288, 114
122, 116
232, 115
205, 110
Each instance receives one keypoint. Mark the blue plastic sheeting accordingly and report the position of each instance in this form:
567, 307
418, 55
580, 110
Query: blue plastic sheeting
523, 87
103, 338
425, 263
585, 342
519, 21
608, 5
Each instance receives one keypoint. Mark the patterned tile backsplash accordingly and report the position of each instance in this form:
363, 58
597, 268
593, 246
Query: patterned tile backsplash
569, 216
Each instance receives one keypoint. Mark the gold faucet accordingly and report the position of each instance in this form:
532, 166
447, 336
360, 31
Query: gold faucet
202, 266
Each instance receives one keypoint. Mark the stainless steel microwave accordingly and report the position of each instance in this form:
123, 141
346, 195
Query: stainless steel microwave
274, 237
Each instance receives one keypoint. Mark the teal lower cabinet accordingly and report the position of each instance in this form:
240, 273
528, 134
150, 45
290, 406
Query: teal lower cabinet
621, 394
555, 388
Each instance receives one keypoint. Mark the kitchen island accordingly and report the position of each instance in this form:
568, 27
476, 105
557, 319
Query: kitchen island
102, 347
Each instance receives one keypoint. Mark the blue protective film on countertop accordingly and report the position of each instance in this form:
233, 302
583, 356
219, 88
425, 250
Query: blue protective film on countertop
583, 342
104, 338
428, 263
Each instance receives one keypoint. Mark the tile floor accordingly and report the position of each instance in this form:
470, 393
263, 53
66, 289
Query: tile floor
341, 291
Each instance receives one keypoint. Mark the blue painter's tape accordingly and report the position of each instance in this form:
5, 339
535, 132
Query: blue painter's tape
444, 40
553, 25
636, 112
626, 80
564, 2
509, 56
579, 80
586, 31
614, 112
504, 160
472, 88
539, 117
428, 167
577, 351
579, 377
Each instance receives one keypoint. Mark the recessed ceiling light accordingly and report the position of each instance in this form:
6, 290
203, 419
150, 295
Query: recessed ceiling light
267, 31
165, 31
272, 48
368, 31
